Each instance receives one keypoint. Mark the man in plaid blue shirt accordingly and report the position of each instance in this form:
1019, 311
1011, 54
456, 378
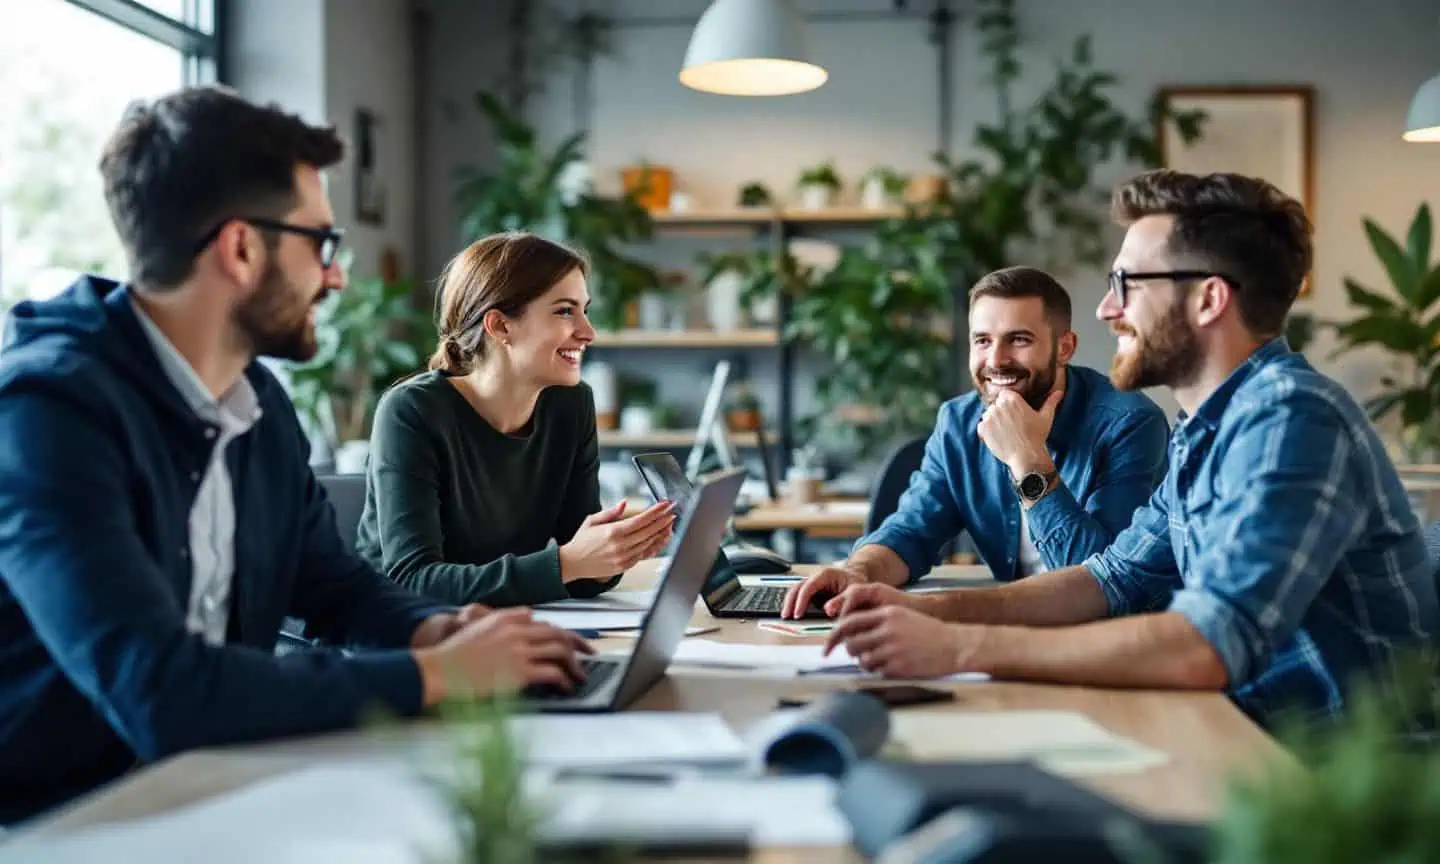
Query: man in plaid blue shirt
1279, 560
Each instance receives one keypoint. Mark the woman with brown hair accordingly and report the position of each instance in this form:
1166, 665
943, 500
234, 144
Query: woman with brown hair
477, 465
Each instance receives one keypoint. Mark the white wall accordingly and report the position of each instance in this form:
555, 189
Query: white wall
463, 51
369, 64
278, 53
324, 59
1364, 59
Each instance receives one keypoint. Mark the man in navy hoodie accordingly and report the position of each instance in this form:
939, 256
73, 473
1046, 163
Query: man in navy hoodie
158, 517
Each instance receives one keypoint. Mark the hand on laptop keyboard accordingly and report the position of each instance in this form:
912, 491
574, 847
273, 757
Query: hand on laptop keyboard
504, 648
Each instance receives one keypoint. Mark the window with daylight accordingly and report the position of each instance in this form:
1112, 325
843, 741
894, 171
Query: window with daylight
68, 69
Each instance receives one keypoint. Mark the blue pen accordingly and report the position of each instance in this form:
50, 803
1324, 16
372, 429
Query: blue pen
780, 578
587, 634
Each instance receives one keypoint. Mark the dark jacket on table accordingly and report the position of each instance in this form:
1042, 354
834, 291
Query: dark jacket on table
458, 511
100, 460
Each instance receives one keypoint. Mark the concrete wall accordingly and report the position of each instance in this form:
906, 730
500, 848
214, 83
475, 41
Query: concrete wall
369, 64
324, 59
278, 53
1364, 59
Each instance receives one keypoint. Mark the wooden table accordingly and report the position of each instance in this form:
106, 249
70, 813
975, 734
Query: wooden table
838, 518
1205, 736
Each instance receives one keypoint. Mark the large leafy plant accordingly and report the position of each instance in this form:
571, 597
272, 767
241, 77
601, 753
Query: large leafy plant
370, 335
1030, 192
1403, 324
529, 191
1362, 788
877, 316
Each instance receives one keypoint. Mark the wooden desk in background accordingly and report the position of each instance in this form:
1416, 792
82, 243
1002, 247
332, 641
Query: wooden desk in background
1204, 735
832, 518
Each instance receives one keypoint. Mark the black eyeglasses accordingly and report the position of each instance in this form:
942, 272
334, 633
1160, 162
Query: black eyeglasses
1119, 279
327, 240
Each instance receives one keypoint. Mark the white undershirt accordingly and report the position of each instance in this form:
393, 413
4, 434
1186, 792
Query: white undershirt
1030, 562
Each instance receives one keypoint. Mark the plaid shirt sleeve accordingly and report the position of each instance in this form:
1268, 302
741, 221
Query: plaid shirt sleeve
1137, 572
1287, 506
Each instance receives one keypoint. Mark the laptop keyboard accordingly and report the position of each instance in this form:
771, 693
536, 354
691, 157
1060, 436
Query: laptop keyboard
758, 599
597, 672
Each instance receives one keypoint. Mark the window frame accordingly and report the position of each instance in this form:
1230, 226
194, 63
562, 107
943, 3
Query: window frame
204, 53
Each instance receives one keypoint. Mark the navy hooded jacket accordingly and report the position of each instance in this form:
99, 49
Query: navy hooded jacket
100, 460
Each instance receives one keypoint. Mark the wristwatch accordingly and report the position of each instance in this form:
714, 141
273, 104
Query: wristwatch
1033, 486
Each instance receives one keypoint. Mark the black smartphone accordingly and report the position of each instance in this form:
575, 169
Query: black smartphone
900, 695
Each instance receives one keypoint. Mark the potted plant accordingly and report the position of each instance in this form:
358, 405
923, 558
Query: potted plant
725, 276
756, 195
529, 189
1360, 789
1029, 192
876, 316
818, 186
1404, 323
743, 411
883, 187
648, 184
369, 336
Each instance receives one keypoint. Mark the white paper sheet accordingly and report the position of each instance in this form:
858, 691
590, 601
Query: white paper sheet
777, 811
379, 811
628, 737
787, 660
1063, 742
590, 620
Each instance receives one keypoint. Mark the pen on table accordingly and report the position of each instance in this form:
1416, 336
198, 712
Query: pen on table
780, 579
587, 634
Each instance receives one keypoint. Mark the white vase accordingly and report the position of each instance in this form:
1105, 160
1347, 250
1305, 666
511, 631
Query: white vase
722, 300
576, 179
601, 378
815, 196
637, 420
652, 312
872, 194
351, 457
765, 310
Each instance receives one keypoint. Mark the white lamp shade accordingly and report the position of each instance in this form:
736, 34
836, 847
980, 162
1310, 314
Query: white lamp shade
1423, 123
750, 48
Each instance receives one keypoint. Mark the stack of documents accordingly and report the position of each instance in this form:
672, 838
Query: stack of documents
1061, 742
377, 808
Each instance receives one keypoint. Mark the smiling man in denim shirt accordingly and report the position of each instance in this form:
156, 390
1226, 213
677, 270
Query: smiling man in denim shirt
1043, 463
1279, 561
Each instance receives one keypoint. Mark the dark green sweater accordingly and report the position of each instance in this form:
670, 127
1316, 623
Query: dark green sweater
460, 512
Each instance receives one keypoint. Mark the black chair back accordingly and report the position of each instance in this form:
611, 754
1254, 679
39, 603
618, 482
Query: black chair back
892, 481
347, 495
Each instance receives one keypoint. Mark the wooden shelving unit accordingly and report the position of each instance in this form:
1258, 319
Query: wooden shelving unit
668, 438
776, 226
754, 338
761, 216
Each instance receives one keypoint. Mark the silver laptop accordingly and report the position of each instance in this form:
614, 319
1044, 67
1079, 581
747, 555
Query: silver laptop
614, 684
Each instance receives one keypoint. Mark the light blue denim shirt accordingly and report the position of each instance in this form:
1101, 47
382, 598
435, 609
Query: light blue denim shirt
1109, 447
1283, 535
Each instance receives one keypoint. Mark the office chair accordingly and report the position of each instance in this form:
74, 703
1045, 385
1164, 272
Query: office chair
346, 493
892, 480
1432, 546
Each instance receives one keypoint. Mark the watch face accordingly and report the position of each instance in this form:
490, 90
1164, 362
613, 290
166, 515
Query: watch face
1032, 485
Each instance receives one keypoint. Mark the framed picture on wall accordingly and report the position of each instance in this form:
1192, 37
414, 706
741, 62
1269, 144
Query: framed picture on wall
1261, 131
370, 182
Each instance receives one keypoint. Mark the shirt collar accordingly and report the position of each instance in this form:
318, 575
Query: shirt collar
1213, 408
238, 407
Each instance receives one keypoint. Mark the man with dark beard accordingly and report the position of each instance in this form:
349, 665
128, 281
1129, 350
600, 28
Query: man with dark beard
158, 518
1043, 463
1280, 560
